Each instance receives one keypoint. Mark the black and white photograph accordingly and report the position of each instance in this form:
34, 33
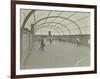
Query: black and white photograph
51, 39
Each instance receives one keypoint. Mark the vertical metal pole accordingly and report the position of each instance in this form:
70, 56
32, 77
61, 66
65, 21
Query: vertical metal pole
32, 29
32, 32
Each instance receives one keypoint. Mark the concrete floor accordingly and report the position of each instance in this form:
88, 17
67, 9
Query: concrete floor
57, 54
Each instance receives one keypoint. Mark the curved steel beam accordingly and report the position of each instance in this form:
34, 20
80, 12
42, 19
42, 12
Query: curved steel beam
30, 13
48, 15
27, 17
49, 28
56, 26
62, 18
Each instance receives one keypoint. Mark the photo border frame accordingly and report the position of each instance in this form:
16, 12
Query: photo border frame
13, 39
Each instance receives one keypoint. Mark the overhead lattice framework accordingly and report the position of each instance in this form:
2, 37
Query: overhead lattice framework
58, 22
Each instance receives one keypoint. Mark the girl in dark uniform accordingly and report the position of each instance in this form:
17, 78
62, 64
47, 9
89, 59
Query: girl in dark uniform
42, 44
